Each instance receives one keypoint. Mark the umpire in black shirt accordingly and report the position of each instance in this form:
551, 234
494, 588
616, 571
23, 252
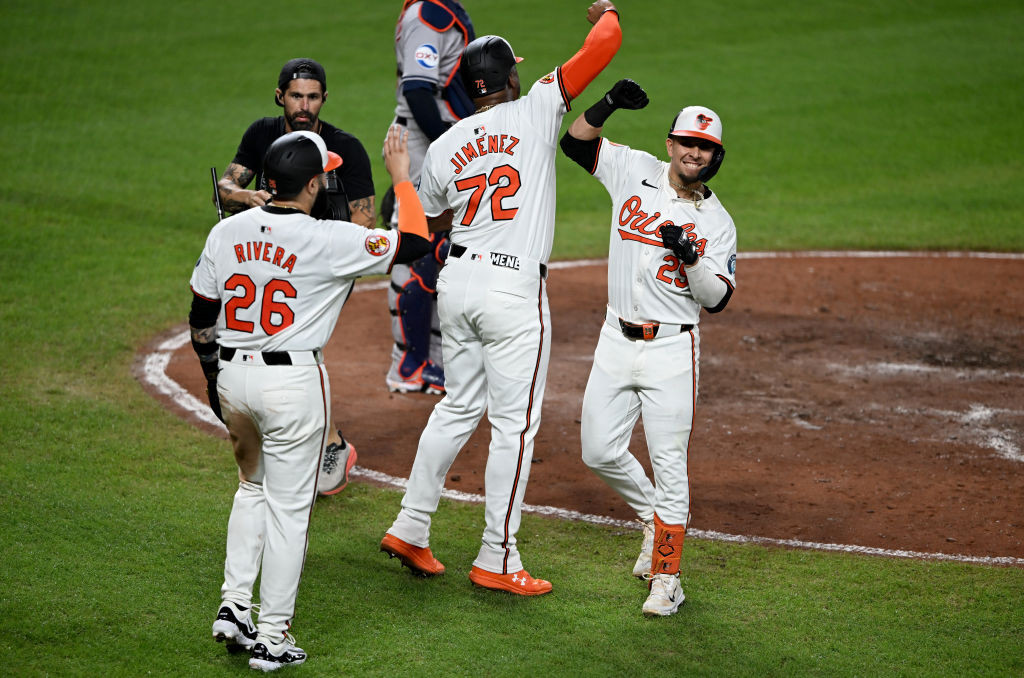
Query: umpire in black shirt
301, 91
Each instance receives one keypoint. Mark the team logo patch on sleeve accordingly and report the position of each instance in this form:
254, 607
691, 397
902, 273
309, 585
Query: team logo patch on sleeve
377, 245
426, 56
547, 79
732, 265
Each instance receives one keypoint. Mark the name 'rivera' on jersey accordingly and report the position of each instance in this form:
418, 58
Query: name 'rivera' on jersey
260, 251
495, 143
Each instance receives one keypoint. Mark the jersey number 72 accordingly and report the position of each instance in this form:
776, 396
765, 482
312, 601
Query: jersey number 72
504, 179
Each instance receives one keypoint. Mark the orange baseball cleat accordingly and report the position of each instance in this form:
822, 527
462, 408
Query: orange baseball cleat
419, 559
520, 583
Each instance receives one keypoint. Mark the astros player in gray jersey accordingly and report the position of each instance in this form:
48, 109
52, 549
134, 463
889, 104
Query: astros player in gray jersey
491, 178
267, 291
672, 253
429, 38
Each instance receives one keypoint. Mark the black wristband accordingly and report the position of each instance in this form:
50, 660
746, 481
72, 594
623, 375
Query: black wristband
599, 112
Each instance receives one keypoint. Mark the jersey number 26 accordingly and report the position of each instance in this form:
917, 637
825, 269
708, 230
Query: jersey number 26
274, 315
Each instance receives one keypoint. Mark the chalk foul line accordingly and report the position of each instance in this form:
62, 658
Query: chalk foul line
154, 373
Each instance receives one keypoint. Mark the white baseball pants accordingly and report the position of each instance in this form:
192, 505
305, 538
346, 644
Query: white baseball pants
277, 418
496, 330
658, 380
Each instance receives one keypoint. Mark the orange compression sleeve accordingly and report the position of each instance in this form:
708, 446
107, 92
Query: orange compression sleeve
601, 44
410, 211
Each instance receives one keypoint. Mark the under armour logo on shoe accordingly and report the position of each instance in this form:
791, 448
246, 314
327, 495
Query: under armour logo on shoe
519, 580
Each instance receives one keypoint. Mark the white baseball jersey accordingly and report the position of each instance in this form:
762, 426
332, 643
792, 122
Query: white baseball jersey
646, 281
655, 378
424, 53
284, 276
496, 171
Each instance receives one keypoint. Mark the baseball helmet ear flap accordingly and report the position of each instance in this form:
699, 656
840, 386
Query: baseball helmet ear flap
712, 169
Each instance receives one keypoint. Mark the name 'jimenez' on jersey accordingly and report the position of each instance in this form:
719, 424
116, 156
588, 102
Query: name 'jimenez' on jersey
497, 156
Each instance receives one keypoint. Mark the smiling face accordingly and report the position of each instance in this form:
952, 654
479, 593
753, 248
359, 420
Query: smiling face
302, 101
688, 156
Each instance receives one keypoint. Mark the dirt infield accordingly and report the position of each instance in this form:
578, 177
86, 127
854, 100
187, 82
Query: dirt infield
866, 400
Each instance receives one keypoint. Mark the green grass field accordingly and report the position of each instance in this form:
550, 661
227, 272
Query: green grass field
866, 125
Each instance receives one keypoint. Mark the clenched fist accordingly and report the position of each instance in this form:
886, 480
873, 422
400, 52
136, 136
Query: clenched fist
679, 242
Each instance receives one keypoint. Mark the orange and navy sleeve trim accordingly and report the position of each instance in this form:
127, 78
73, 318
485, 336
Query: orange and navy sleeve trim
597, 154
566, 97
214, 301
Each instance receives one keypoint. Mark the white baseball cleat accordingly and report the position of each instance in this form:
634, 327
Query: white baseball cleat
233, 626
271, 657
666, 596
643, 561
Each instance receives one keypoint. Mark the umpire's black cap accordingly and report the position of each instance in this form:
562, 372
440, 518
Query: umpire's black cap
297, 69
486, 64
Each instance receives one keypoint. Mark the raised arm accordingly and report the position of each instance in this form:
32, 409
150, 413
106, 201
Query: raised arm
601, 44
412, 222
580, 142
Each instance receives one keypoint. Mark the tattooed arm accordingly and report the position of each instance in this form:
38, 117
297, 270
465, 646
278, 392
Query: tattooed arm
202, 321
233, 194
362, 212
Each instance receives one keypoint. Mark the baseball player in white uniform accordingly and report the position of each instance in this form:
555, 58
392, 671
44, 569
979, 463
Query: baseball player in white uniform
267, 291
492, 176
672, 253
429, 38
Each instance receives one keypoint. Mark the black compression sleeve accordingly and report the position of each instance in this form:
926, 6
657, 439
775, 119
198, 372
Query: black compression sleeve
204, 312
424, 111
411, 247
583, 153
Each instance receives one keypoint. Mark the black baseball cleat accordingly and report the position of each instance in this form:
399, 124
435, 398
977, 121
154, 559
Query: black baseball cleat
234, 627
265, 660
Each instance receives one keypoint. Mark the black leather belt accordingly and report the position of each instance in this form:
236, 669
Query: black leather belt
458, 250
646, 331
269, 357
402, 120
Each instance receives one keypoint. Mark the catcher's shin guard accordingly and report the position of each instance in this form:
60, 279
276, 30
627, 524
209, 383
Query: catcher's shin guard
668, 547
412, 291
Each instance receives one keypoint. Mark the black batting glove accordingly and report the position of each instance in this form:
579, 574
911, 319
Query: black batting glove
627, 94
677, 240
624, 94
210, 370
214, 397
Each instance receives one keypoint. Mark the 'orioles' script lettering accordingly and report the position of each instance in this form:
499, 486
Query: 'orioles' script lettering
634, 218
264, 251
483, 145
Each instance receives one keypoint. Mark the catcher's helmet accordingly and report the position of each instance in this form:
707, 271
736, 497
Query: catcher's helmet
294, 159
702, 123
486, 65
